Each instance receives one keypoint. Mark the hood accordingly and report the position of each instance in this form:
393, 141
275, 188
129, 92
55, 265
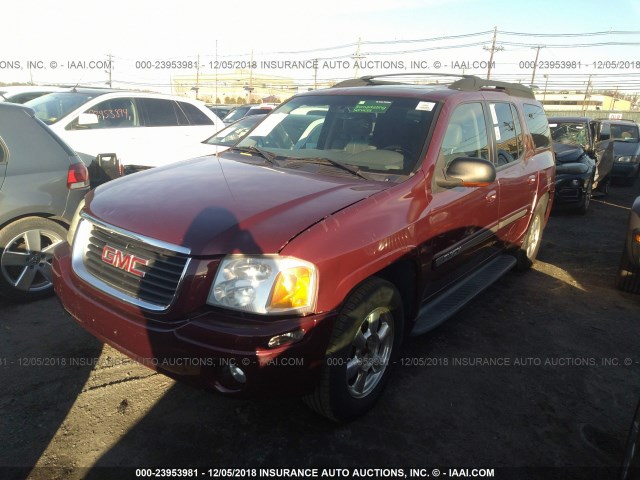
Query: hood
216, 206
567, 153
625, 148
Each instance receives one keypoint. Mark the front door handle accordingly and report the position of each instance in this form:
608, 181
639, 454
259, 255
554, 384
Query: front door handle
531, 180
492, 196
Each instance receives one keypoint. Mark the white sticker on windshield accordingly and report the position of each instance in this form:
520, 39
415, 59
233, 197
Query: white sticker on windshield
553, 125
426, 106
268, 124
494, 117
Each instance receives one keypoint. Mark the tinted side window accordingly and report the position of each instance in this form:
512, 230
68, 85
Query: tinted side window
195, 116
113, 113
538, 125
160, 112
466, 134
508, 145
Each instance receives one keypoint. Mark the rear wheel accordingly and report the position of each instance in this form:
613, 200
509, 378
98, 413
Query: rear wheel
365, 341
26, 253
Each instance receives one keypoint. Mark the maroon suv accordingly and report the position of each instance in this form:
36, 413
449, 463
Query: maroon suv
299, 260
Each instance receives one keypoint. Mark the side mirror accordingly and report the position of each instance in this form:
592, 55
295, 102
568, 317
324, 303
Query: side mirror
468, 172
88, 119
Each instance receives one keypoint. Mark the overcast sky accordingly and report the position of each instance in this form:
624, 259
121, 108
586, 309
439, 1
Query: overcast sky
72, 31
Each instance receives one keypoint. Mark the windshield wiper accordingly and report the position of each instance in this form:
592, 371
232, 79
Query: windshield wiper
327, 161
268, 156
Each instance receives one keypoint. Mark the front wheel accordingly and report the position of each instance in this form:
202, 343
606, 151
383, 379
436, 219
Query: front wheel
528, 252
628, 276
365, 341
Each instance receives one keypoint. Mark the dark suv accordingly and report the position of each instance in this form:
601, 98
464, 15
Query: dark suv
299, 260
41, 184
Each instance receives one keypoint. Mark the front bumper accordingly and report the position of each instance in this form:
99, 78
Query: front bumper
203, 346
570, 189
624, 170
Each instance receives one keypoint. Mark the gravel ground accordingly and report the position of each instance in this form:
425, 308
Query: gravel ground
537, 378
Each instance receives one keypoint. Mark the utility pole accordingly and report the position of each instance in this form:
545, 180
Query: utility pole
546, 82
492, 50
197, 76
251, 76
315, 74
615, 97
357, 57
110, 69
216, 100
586, 94
535, 63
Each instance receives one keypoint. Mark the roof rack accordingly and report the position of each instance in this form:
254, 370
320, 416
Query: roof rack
466, 83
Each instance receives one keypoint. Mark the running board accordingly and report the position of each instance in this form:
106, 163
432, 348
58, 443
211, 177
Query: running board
438, 310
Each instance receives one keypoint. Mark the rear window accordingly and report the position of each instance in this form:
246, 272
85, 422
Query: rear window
538, 125
54, 106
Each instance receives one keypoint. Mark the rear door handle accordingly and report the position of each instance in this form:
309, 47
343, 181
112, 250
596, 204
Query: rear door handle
531, 180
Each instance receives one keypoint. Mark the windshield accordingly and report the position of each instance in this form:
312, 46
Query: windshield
573, 133
230, 135
236, 114
54, 106
373, 134
624, 133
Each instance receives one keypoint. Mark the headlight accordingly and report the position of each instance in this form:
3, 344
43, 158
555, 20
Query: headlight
628, 159
266, 284
74, 223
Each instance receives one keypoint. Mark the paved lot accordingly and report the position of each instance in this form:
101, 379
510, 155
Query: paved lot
542, 371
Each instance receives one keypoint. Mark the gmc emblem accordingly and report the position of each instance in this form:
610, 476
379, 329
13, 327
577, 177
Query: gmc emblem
128, 263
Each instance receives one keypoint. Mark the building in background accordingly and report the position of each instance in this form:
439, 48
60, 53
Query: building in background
554, 101
235, 87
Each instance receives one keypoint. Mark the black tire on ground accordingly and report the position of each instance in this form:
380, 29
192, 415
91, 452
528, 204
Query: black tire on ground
366, 340
583, 207
26, 252
628, 276
526, 254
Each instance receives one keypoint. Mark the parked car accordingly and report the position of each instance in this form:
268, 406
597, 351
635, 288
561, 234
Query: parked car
623, 145
629, 272
41, 183
575, 172
232, 134
22, 94
300, 259
118, 132
246, 110
585, 132
221, 111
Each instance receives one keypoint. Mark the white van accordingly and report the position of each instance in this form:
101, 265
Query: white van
139, 129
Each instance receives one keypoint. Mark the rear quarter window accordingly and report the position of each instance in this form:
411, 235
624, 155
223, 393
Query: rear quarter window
195, 116
538, 125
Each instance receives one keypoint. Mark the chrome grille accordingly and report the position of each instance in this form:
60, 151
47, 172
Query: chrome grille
162, 274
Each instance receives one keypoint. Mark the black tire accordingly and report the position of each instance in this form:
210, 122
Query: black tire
628, 276
26, 253
366, 340
583, 207
527, 253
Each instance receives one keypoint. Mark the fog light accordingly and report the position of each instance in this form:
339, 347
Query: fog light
237, 374
286, 338
636, 237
